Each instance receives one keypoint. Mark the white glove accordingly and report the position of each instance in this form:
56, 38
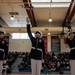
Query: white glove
42, 60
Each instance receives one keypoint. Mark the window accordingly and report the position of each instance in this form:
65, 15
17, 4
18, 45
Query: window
20, 35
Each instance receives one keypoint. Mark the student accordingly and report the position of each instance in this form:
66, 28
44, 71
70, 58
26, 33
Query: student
3, 49
37, 51
71, 43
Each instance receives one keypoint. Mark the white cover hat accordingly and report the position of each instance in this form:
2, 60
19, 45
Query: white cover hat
2, 30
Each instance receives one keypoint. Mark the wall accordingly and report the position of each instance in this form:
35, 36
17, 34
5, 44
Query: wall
49, 43
25, 45
22, 45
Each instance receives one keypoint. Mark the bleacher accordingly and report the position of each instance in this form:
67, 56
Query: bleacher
53, 62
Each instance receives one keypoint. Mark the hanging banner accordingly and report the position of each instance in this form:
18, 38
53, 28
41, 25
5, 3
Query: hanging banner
45, 40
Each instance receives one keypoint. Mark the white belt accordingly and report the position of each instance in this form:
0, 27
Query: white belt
73, 48
37, 49
2, 50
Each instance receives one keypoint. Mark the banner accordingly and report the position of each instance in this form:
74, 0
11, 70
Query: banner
45, 40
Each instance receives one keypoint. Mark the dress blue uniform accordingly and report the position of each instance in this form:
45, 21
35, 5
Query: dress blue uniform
3, 50
37, 52
71, 43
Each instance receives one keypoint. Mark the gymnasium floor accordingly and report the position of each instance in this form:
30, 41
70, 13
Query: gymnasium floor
41, 74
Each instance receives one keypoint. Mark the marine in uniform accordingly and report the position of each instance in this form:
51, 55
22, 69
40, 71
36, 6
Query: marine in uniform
3, 50
71, 42
37, 51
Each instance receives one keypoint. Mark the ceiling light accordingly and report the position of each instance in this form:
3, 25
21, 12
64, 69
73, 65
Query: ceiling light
48, 33
12, 18
50, 20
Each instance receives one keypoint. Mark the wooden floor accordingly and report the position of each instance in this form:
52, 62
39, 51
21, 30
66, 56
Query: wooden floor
41, 74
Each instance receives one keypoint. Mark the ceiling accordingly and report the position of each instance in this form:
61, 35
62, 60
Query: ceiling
40, 14
5, 8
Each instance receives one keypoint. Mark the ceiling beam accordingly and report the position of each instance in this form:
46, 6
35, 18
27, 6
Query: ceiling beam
30, 13
3, 23
71, 13
68, 13
52, 30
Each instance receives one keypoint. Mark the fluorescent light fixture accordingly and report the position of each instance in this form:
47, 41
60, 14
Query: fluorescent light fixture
50, 0
40, 0
42, 3
61, 0
12, 18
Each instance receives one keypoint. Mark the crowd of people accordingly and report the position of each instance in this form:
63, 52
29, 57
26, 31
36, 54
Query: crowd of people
56, 61
12, 56
52, 61
25, 61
